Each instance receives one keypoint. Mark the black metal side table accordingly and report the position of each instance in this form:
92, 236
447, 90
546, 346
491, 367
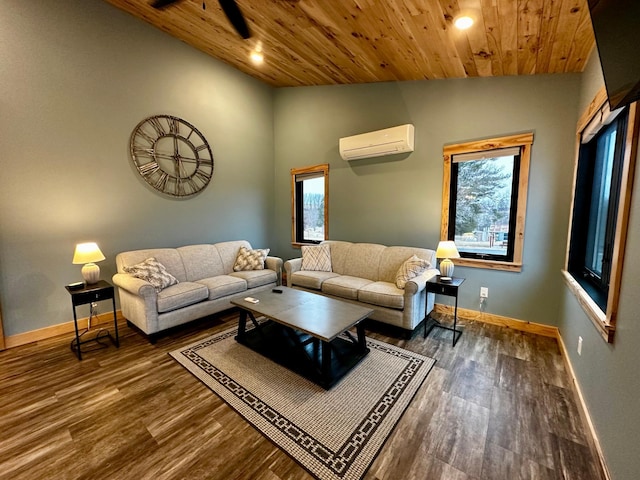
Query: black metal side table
449, 288
88, 294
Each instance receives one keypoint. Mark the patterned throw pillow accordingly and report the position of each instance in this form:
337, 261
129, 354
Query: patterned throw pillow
250, 259
410, 269
316, 258
153, 272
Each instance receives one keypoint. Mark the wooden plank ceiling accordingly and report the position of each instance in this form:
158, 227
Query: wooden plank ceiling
323, 42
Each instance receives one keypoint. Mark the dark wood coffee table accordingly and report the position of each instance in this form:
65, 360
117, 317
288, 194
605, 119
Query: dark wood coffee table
303, 332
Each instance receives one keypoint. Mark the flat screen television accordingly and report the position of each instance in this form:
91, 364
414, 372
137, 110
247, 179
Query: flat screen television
616, 24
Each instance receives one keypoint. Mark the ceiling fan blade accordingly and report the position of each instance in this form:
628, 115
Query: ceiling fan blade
162, 3
233, 13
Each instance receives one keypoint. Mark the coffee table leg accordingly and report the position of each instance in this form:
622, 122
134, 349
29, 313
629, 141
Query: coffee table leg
316, 350
326, 362
242, 325
362, 341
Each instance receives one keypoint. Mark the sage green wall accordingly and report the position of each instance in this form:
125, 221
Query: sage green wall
608, 373
397, 200
75, 79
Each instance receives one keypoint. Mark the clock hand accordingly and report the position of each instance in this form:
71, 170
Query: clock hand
190, 160
173, 157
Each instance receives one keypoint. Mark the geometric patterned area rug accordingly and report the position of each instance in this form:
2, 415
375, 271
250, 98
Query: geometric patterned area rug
334, 434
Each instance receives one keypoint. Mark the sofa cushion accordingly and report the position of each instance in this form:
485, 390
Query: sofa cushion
411, 268
153, 272
316, 258
248, 259
201, 261
181, 295
169, 257
257, 278
344, 286
394, 257
363, 260
229, 251
223, 285
339, 254
383, 294
310, 279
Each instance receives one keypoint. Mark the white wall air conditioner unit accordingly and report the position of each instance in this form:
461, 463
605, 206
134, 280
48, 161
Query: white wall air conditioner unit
375, 144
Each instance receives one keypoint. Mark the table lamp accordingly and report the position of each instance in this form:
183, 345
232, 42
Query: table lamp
86, 254
446, 250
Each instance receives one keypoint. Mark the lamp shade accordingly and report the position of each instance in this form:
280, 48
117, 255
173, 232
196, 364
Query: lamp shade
447, 249
87, 253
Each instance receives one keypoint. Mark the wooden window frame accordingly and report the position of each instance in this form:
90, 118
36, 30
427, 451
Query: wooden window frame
605, 321
524, 141
322, 169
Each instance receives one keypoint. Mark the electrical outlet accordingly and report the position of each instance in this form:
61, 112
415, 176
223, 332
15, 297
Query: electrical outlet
484, 292
579, 345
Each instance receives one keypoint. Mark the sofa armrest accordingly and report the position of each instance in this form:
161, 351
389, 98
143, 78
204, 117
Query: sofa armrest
417, 284
275, 264
134, 285
293, 265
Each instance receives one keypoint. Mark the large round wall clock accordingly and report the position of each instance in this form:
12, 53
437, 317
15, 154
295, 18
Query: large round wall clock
171, 155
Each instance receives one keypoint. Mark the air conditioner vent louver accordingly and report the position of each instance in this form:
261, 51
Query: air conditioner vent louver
388, 141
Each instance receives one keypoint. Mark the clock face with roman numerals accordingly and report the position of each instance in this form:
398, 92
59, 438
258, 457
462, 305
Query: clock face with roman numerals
171, 155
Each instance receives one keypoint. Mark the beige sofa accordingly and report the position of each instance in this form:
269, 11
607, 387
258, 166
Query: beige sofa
206, 284
365, 273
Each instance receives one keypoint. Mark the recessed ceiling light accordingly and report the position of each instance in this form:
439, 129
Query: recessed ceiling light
464, 22
256, 55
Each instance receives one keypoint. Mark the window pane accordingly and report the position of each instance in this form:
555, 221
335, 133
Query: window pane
483, 205
601, 190
309, 199
313, 209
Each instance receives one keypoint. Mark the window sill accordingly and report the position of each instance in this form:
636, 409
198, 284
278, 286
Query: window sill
303, 244
591, 309
488, 264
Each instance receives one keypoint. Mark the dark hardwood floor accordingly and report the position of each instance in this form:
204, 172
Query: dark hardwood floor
497, 406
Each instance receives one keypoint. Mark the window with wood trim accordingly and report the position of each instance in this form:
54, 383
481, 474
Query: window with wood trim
606, 150
484, 200
309, 204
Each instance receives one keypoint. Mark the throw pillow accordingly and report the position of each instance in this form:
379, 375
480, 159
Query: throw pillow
409, 269
153, 272
317, 257
250, 259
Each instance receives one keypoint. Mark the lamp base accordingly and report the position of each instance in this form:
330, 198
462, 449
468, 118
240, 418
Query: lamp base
446, 268
90, 273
